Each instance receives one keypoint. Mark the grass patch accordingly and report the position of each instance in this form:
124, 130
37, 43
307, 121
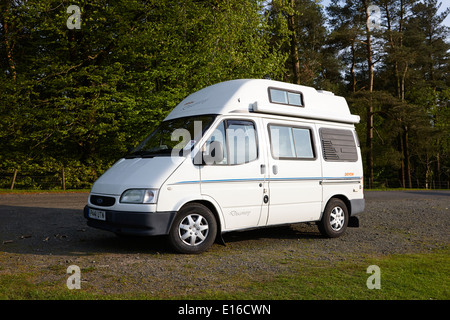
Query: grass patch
403, 277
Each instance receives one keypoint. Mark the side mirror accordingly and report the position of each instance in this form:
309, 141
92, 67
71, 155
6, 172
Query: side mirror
211, 156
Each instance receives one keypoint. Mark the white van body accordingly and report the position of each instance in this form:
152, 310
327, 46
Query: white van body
290, 155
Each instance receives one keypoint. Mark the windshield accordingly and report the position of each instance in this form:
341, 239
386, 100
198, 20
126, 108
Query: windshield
175, 136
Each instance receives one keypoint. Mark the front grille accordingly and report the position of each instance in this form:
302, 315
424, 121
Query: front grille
103, 201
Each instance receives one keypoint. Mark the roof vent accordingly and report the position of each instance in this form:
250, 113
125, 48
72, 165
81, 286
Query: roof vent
325, 92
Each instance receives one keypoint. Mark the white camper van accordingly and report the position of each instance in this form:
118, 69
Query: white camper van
237, 155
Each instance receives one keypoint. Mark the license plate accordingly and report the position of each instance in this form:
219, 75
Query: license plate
97, 214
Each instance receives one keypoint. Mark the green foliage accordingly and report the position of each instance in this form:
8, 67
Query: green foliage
81, 98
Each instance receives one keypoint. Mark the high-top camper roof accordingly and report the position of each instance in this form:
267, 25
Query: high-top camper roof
265, 96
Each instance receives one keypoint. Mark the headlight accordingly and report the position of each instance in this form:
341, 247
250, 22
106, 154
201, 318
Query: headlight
139, 196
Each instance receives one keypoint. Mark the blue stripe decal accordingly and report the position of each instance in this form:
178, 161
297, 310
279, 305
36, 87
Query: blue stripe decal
273, 179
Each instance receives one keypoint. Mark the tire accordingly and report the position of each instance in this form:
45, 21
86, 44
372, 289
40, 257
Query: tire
335, 219
193, 230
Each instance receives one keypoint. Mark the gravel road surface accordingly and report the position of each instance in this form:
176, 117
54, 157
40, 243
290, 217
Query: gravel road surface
44, 233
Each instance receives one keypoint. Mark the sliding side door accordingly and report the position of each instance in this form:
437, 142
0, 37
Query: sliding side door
294, 172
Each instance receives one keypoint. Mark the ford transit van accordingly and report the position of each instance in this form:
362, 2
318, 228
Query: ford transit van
237, 155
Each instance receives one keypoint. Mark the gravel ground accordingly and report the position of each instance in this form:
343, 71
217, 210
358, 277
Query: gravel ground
45, 233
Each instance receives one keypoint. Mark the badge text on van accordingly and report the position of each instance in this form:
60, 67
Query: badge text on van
241, 213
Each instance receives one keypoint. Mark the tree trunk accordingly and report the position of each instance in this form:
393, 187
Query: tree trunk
293, 44
438, 170
406, 156
63, 179
402, 161
369, 138
369, 144
14, 179
352, 69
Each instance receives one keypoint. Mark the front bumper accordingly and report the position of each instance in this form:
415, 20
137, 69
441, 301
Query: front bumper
133, 223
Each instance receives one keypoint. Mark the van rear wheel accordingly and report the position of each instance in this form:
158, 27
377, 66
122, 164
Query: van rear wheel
193, 230
335, 219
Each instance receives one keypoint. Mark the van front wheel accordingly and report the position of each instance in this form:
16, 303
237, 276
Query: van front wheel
335, 219
193, 230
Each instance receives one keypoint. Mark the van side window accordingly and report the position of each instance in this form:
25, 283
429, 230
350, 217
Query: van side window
241, 138
239, 141
219, 135
291, 142
281, 96
303, 145
338, 145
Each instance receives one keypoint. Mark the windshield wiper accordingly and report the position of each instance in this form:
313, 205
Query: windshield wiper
148, 154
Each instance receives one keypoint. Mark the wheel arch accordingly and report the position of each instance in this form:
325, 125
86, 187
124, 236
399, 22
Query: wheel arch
340, 197
208, 204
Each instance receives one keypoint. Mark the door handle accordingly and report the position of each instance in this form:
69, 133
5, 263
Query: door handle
263, 169
275, 169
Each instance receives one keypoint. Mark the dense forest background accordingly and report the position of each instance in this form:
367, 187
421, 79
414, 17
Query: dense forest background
74, 100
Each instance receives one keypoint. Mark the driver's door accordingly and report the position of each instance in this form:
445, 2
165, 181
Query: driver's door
238, 182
